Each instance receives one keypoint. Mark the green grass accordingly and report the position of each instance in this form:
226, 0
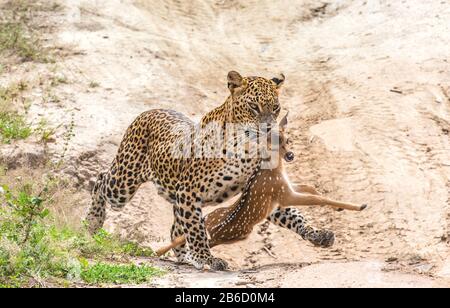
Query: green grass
33, 248
120, 274
103, 244
134, 250
13, 125
20, 29
16, 38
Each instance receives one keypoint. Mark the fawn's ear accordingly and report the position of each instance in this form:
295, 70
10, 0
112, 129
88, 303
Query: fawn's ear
235, 82
284, 121
279, 80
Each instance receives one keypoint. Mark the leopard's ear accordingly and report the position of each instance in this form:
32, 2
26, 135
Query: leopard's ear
279, 80
235, 81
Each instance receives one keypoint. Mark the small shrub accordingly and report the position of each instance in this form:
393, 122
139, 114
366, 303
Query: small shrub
26, 250
45, 132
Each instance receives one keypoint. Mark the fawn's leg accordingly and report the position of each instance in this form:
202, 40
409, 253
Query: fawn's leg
294, 198
303, 188
291, 219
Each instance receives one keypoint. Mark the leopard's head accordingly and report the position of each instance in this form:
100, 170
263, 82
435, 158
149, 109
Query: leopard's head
254, 100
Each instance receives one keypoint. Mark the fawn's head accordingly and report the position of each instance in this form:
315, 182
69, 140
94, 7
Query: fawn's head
278, 144
284, 141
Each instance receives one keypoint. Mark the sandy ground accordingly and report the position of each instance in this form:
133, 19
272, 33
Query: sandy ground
368, 91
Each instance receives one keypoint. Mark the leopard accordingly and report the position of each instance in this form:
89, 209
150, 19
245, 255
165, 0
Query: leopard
192, 165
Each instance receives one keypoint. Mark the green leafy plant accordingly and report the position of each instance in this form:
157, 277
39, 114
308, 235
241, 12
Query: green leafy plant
28, 209
45, 132
26, 251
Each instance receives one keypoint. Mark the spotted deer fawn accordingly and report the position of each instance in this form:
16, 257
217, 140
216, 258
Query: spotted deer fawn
266, 190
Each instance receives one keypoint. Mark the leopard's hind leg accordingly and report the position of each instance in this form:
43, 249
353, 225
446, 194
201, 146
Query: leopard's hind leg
96, 214
128, 171
112, 189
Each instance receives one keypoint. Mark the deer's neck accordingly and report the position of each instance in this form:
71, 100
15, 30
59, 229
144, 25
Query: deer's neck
257, 199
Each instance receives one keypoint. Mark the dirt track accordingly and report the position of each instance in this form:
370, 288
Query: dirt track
368, 91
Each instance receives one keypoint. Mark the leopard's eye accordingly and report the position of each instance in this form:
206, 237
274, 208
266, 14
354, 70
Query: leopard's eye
255, 107
276, 108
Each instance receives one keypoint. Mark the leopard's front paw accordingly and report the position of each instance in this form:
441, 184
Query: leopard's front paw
117, 208
322, 238
217, 264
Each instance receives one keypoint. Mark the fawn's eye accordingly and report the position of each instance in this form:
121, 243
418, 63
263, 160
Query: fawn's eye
289, 157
